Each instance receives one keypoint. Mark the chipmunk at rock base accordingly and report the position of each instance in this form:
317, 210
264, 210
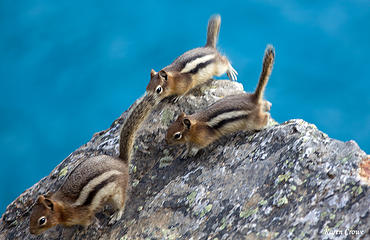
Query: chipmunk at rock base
97, 181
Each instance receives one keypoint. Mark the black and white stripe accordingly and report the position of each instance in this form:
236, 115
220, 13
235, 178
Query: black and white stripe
198, 63
227, 117
93, 192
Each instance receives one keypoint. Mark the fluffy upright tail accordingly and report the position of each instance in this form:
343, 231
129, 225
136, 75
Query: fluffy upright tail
268, 62
132, 124
213, 30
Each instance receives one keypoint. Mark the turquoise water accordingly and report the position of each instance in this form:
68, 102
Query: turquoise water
69, 68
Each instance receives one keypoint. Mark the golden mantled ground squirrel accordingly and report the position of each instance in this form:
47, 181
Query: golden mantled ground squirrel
192, 68
246, 111
94, 183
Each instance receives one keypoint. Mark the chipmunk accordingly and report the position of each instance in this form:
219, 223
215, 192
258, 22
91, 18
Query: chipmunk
192, 68
246, 111
94, 183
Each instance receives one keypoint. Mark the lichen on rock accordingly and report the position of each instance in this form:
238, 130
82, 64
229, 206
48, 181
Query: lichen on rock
288, 181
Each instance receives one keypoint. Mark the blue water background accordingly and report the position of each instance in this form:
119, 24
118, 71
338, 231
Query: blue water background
69, 68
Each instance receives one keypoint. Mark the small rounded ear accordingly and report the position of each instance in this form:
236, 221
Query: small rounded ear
41, 199
182, 115
48, 203
186, 123
152, 73
163, 74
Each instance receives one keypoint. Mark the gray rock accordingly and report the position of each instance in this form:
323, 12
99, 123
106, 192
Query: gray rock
289, 181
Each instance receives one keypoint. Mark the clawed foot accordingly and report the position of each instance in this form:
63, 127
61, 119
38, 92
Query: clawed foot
267, 106
115, 217
232, 73
190, 152
176, 99
193, 152
184, 154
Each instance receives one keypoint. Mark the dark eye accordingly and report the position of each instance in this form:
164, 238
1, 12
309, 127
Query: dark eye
42, 221
177, 135
158, 90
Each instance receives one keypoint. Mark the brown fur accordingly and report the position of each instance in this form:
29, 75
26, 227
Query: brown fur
72, 203
246, 111
268, 62
213, 31
172, 81
132, 124
63, 210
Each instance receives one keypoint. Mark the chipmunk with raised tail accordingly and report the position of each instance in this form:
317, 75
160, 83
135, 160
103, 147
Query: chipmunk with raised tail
246, 111
95, 182
192, 68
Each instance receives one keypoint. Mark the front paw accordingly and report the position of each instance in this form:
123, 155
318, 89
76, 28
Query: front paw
115, 217
232, 73
193, 152
176, 99
184, 154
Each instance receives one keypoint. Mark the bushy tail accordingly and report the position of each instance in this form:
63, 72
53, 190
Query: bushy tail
213, 30
268, 62
132, 124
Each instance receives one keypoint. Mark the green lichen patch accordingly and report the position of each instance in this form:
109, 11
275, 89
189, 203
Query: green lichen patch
191, 197
357, 190
223, 223
63, 172
282, 201
323, 214
135, 183
165, 161
338, 224
291, 165
249, 212
167, 116
293, 188
325, 229
262, 202
284, 177
167, 234
206, 210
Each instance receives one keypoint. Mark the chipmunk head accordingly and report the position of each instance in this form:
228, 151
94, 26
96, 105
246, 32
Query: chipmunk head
158, 83
43, 215
178, 131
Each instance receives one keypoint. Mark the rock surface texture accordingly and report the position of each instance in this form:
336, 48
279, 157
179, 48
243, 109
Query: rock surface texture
289, 181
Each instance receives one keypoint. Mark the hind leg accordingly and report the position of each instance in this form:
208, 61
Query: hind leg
266, 106
118, 202
261, 120
265, 119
